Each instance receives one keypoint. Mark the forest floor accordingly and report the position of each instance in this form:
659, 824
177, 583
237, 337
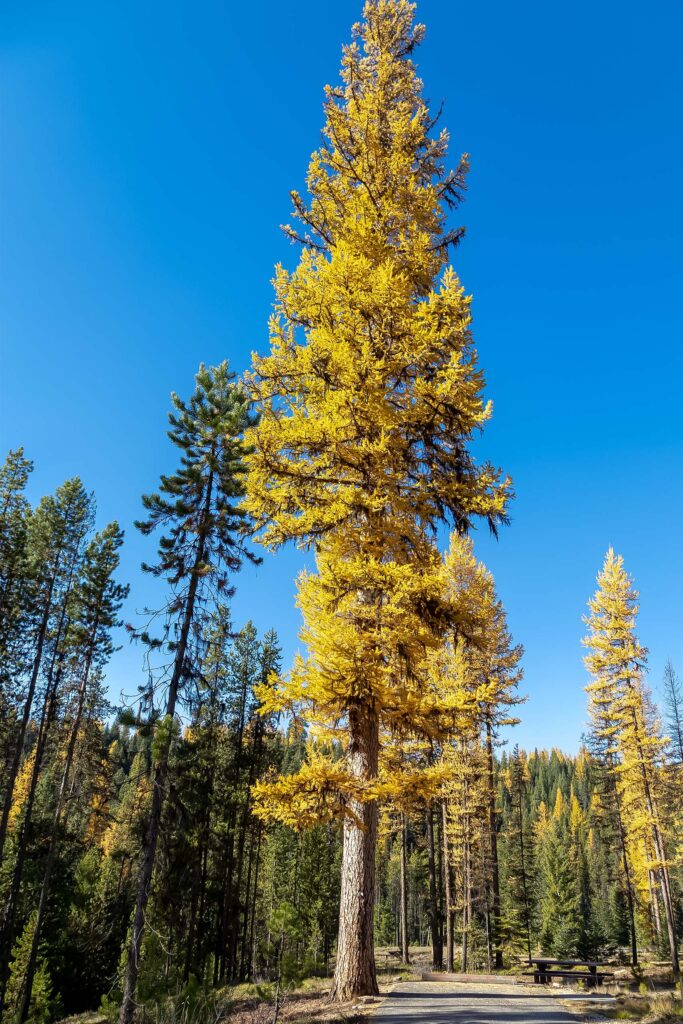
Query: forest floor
406, 999
307, 1005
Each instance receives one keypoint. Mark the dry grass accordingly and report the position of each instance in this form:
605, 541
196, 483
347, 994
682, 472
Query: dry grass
649, 1009
308, 1005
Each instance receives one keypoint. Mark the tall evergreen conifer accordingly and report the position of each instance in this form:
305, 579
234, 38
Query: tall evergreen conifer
55, 543
14, 513
202, 545
97, 601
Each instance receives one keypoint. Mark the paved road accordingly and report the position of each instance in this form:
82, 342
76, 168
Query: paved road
429, 1002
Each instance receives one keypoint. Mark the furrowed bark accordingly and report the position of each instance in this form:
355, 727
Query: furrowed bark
355, 973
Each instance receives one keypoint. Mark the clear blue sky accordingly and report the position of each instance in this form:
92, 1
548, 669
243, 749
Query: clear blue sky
146, 155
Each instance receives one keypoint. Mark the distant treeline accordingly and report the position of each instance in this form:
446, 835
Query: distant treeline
138, 853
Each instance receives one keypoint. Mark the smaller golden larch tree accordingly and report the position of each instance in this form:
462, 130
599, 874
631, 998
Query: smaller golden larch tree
623, 719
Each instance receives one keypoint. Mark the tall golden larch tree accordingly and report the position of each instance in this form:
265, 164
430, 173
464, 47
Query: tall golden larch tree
622, 713
602, 695
369, 398
366, 682
483, 654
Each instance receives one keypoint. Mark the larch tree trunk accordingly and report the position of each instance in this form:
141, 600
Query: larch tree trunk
355, 973
466, 907
448, 900
438, 845
655, 916
434, 918
405, 950
630, 902
493, 845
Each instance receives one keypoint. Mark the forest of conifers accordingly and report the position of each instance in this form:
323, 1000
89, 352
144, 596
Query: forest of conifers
236, 819
528, 851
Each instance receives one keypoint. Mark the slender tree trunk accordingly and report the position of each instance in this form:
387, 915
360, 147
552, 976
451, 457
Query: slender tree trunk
466, 881
201, 945
196, 956
525, 885
438, 844
493, 844
252, 944
237, 908
625, 863
227, 890
189, 942
466, 904
244, 937
631, 909
448, 900
655, 918
232, 889
405, 950
193, 953
612, 792
435, 922
487, 924
244, 827
355, 973
132, 968
149, 852
667, 899
253, 770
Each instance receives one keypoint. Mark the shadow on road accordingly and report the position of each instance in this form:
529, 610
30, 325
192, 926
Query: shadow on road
416, 1004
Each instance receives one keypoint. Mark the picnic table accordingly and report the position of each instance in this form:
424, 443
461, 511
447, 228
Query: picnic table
546, 968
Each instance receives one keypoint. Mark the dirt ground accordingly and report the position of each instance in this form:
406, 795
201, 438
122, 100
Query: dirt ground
303, 1008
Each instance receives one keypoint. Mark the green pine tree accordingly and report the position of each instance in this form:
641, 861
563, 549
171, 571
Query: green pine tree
201, 546
43, 1007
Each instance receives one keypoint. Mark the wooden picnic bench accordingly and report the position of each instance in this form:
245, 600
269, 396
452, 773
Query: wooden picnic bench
545, 969
393, 957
